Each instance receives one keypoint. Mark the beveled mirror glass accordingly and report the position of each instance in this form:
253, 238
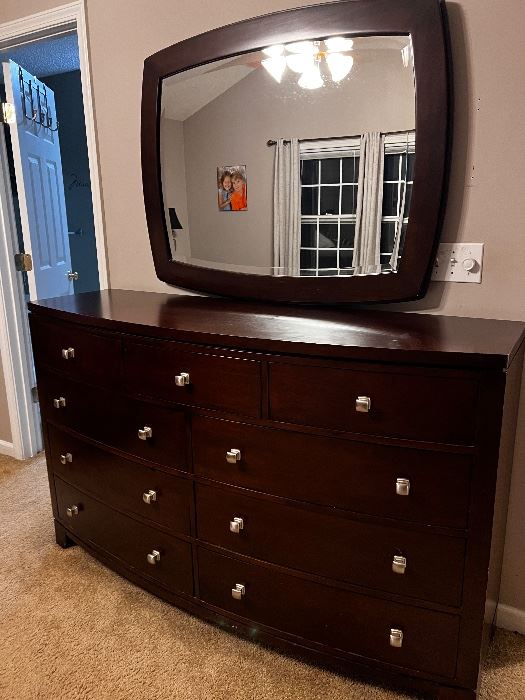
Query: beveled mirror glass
295, 160
301, 156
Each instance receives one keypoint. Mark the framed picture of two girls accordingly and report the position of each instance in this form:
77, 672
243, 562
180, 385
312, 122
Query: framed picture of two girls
232, 188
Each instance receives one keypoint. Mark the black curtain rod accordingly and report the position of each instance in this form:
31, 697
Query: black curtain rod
273, 142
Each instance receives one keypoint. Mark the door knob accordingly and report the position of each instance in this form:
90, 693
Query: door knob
71, 511
396, 638
145, 433
59, 403
363, 404
403, 487
153, 557
149, 496
68, 353
233, 456
72, 276
236, 525
239, 591
67, 457
182, 379
399, 565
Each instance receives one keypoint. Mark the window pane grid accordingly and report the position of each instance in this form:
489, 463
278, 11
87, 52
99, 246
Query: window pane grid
326, 211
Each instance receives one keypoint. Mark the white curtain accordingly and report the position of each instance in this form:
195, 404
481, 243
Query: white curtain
287, 208
367, 243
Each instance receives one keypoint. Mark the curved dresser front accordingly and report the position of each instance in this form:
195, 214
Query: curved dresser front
333, 483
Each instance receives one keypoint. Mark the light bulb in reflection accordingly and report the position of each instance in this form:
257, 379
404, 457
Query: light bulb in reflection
339, 65
275, 67
311, 79
338, 43
305, 47
300, 63
276, 50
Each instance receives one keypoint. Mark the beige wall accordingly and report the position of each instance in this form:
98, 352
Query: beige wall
487, 183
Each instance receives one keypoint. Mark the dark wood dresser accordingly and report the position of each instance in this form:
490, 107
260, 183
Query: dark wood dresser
331, 482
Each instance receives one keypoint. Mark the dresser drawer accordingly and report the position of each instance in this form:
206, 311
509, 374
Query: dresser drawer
228, 383
428, 407
76, 352
346, 474
126, 538
340, 619
115, 420
333, 546
162, 498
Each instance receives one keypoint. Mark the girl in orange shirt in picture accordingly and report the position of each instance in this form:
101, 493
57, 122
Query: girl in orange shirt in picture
238, 200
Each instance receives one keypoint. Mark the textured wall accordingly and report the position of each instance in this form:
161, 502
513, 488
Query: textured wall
487, 183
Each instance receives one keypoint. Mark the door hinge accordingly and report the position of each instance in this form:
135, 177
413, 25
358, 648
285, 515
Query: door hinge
7, 113
23, 262
34, 394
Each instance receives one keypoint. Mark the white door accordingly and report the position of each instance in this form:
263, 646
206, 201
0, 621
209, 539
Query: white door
38, 169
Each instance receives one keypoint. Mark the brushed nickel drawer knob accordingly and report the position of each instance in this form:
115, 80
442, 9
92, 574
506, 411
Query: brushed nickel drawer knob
236, 525
239, 591
182, 379
403, 487
396, 638
71, 511
149, 496
67, 457
363, 404
233, 456
399, 565
145, 433
68, 353
60, 402
153, 557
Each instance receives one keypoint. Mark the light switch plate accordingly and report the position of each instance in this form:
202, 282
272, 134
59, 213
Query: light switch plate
458, 262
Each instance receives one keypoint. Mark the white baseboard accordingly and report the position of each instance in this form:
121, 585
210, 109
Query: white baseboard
7, 448
512, 619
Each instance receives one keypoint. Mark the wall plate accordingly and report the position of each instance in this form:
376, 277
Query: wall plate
458, 262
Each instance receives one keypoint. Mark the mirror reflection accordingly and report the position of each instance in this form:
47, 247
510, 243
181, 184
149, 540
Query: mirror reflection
294, 160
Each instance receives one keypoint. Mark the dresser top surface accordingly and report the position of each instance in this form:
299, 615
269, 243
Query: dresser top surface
340, 333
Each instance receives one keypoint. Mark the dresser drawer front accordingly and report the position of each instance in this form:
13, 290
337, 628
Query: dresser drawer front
162, 498
434, 408
115, 420
126, 538
331, 616
333, 546
226, 383
347, 474
77, 352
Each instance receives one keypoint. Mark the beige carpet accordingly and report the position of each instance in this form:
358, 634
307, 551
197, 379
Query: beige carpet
69, 628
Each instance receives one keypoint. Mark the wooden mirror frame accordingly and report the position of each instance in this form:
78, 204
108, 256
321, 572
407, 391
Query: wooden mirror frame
425, 21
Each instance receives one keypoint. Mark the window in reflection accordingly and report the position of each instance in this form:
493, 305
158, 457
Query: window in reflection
329, 201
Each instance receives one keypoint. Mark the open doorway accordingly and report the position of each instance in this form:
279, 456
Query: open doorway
50, 203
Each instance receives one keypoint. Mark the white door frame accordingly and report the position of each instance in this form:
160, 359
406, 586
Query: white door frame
15, 348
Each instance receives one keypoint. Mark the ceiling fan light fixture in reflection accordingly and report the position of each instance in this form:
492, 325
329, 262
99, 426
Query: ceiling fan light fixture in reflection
338, 44
300, 62
304, 47
276, 50
340, 65
275, 67
311, 79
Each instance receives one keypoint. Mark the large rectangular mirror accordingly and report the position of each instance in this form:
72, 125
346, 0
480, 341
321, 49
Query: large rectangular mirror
301, 156
295, 160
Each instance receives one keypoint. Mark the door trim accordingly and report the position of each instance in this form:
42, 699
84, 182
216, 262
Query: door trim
15, 347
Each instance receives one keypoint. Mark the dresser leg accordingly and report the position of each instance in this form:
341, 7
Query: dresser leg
61, 536
445, 693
